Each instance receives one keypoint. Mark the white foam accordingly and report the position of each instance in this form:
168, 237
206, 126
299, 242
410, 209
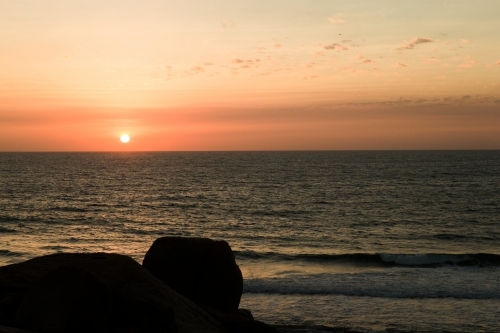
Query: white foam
456, 282
423, 259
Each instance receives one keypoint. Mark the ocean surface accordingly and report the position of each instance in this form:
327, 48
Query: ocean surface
394, 241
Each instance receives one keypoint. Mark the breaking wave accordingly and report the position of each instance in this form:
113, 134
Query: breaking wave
383, 259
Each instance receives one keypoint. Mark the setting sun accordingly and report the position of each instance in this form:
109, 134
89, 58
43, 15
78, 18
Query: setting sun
124, 138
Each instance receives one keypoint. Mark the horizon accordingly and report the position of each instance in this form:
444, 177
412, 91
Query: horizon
246, 151
256, 76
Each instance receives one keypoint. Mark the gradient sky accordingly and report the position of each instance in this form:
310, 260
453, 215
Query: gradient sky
249, 75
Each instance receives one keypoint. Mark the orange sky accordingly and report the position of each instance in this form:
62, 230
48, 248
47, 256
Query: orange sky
260, 75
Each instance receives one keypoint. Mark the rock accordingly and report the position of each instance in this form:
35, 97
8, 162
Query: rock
5, 329
134, 291
66, 299
220, 283
9, 304
201, 269
177, 262
3, 319
245, 313
240, 321
130, 314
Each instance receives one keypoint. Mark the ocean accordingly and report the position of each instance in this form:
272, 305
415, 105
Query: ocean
364, 241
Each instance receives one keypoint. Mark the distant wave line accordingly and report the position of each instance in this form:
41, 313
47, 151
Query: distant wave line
382, 259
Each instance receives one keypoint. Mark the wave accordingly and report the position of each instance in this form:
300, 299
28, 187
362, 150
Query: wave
4, 230
455, 282
8, 253
68, 209
323, 329
460, 237
9, 218
382, 259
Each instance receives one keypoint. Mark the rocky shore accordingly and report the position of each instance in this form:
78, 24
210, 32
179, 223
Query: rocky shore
184, 285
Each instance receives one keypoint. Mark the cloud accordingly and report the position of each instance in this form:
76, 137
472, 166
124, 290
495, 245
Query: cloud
336, 21
445, 100
464, 41
468, 62
415, 41
247, 61
227, 24
310, 77
498, 62
335, 46
277, 45
364, 60
431, 60
191, 71
401, 65
186, 73
350, 42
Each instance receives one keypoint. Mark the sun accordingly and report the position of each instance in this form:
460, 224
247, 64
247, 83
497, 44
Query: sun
125, 138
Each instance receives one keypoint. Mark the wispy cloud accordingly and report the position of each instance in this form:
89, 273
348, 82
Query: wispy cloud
246, 63
335, 46
400, 65
311, 77
414, 42
431, 60
336, 21
227, 24
364, 60
445, 100
350, 42
468, 62
193, 71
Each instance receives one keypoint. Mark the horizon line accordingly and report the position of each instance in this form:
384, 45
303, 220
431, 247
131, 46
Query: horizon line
244, 151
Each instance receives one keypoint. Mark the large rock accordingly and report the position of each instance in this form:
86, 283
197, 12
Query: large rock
141, 302
201, 269
67, 299
4, 321
9, 304
6, 329
240, 321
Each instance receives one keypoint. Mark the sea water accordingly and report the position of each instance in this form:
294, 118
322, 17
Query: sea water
327, 241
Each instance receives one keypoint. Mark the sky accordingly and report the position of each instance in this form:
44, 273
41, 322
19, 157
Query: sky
249, 75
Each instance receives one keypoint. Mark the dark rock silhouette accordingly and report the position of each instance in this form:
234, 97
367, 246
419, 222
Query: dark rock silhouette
240, 321
111, 293
201, 269
4, 329
9, 305
3, 319
67, 299
134, 291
